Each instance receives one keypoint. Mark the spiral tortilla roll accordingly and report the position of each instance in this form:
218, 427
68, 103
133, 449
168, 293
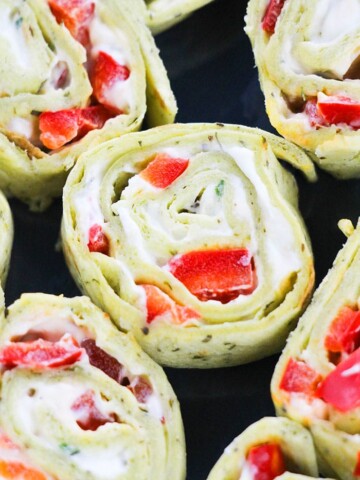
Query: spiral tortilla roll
316, 381
189, 236
82, 400
271, 447
307, 54
74, 73
163, 14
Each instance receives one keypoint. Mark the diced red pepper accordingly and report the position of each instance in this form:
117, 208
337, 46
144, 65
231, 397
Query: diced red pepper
272, 13
141, 388
98, 241
267, 461
299, 377
339, 109
89, 417
341, 388
59, 128
106, 72
159, 305
13, 470
216, 274
164, 170
344, 333
76, 15
41, 354
356, 472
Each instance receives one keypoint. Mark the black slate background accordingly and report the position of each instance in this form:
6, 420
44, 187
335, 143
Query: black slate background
212, 72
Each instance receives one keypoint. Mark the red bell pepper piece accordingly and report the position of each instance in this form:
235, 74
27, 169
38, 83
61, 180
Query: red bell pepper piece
76, 15
14, 470
267, 461
141, 388
344, 334
158, 305
59, 128
299, 377
215, 274
341, 388
98, 241
89, 417
339, 109
106, 72
272, 13
41, 354
164, 170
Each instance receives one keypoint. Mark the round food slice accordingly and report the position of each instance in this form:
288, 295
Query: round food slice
80, 399
189, 236
316, 381
74, 73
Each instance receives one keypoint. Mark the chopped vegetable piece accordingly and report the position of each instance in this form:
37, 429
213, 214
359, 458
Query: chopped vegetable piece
59, 128
357, 467
106, 73
89, 417
98, 241
344, 334
215, 274
75, 15
338, 109
141, 388
41, 353
272, 13
267, 461
164, 170
161, 306
299, 377
18, 471
341, 388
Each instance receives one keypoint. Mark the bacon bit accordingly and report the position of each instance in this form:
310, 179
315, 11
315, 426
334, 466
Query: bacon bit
141, 388
158, 305
41, 354
162, 420
341, 388
344, 334
164, 170
103, 361
89, 416
272, 13
59, 128
356, 472
267, 461
18, 471
98, 241
311, 110
76, 15
299, 377
216, 274
106, 72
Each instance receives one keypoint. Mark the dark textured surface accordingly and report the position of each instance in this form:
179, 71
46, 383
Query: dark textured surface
210, 64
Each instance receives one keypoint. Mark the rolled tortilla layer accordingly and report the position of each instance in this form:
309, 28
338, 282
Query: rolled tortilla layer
6, 238
163, 14
274, 447
190, 237
74, 73
82, 400
307, 54
316, 381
